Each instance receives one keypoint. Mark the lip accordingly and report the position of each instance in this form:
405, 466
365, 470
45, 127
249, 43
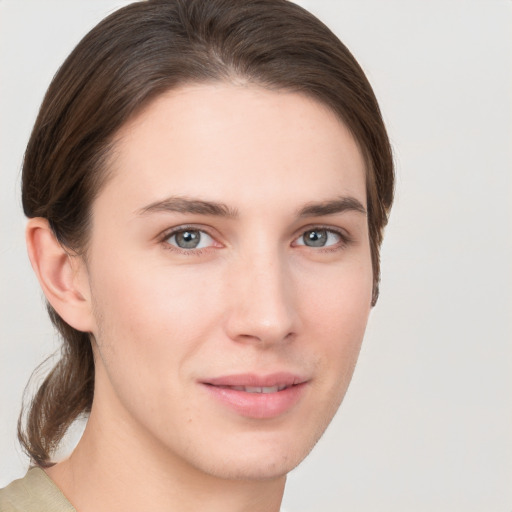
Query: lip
257, 405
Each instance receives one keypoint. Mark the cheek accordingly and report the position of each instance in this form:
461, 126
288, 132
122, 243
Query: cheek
151, 325
152, 313
337, 312
339, 297
147, 311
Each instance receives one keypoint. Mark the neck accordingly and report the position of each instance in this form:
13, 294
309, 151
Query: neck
115, 469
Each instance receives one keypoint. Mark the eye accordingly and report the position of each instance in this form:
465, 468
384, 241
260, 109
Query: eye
319, 237
190, 239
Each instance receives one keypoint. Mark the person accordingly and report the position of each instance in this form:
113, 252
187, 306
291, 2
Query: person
207, 184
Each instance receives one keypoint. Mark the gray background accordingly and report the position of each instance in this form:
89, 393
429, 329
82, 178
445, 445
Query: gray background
427, 422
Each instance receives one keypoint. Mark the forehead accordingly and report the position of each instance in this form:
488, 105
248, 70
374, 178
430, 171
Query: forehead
241, 144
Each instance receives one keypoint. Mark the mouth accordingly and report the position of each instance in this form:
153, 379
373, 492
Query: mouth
257, 397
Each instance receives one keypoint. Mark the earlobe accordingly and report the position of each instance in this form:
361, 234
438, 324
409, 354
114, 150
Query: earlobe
62, 275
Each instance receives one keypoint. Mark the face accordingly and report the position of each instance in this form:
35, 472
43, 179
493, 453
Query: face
230, 273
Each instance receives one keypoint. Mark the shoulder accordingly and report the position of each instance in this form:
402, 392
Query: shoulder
35, 492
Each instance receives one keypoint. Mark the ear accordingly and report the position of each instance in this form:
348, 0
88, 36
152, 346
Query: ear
61, 274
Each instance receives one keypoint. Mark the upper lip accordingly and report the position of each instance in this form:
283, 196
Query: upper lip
280, 379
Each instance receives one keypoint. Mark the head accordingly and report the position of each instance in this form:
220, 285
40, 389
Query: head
231, 118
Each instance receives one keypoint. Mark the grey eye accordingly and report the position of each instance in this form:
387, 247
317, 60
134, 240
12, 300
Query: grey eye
315, 238
188, 239
319, 237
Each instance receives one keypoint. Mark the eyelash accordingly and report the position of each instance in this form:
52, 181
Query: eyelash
187, 252
345, 239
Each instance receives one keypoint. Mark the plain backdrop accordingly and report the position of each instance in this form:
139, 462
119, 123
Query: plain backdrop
427, 422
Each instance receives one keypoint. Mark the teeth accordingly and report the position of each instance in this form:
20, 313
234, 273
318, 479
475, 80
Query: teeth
258, 389
250, 389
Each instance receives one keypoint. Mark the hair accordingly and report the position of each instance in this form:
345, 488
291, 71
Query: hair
131, 57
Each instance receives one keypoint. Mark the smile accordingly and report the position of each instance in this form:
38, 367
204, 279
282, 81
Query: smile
257, 397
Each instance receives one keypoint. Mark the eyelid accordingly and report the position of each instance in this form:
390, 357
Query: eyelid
328, 227
168, 233
346, 238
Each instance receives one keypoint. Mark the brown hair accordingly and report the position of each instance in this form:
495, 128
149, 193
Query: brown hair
127, 60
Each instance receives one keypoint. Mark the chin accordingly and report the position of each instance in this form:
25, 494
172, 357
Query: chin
258, 455
257, 467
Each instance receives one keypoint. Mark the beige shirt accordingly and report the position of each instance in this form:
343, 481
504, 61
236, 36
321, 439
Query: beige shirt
35, 492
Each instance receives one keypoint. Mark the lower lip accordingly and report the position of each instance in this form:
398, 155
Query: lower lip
258, 405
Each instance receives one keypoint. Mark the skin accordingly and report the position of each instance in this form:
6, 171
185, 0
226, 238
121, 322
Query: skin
254, 298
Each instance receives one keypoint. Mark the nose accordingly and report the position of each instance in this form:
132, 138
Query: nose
263, 303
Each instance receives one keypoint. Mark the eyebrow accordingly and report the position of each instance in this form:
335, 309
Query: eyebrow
189, 205
331, 207
201, 207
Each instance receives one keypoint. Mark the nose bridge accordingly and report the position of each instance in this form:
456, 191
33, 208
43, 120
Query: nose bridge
263, 303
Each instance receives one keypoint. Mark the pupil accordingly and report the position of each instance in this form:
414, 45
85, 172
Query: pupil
315, 238
188, 239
